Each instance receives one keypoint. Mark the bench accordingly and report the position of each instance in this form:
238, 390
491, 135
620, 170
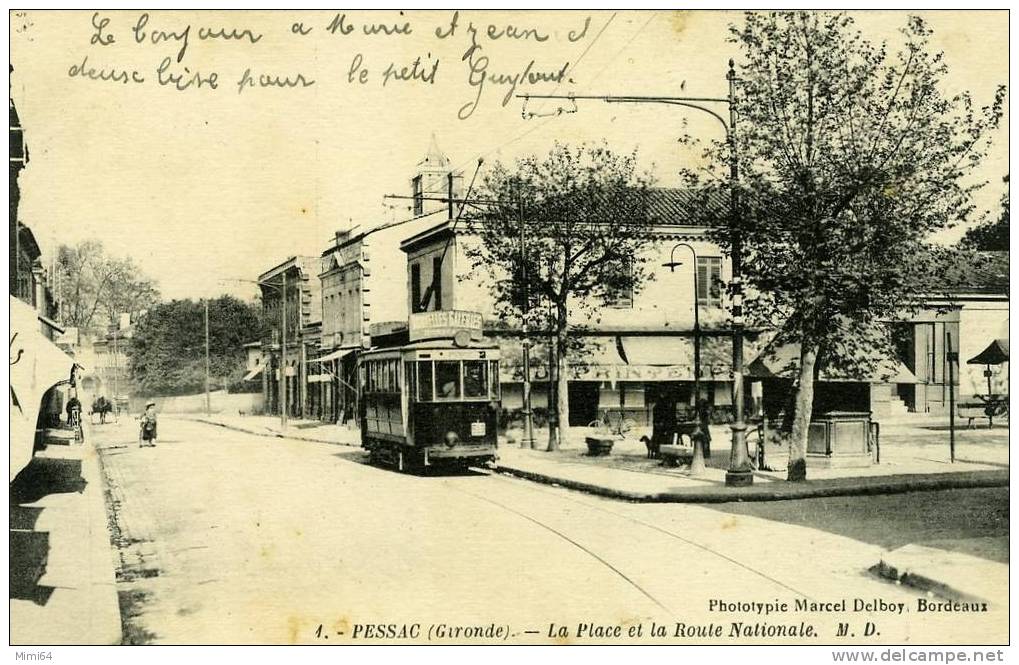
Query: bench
972, 412
673, 455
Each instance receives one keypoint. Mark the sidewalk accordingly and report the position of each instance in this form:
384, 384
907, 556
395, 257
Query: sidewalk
302, 430
912, 459
59, 528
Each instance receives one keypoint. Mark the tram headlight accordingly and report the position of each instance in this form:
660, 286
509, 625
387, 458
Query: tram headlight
452, 438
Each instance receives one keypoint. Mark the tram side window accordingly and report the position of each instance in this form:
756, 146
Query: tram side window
475, 378
425, 380
410, 379
447, 379
493, 375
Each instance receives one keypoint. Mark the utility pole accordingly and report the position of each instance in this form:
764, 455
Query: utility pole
283, 353
116, 373
952, 357
528, 439
208, 396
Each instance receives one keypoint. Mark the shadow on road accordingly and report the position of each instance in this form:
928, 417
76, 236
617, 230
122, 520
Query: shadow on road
361, 457
970, 521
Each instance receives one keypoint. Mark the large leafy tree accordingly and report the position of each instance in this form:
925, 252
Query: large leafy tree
851, 155
93, 288
585, 212
991, 235
166, 354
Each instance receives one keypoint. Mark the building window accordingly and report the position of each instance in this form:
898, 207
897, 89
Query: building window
419, 199
621, 297
709, 281
415, 288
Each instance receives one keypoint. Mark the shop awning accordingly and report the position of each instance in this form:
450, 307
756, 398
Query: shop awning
36, 365
783, 361
671, 358
253, 373
627, 358
335, 355
995, 354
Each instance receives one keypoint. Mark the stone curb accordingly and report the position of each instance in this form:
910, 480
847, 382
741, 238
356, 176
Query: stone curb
897, 484
923, 583
271, 434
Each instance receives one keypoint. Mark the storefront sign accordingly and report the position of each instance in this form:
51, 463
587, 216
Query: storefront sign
515, 373
444, 323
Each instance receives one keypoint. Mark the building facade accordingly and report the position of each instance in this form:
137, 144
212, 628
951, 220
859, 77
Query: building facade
28, 277
968, 312
363, 284
638, 348
291, 290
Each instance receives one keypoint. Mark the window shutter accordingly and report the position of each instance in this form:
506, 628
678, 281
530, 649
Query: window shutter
437, 281
415, 288
702, 281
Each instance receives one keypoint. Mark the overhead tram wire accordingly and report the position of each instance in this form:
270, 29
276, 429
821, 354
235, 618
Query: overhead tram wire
530, 130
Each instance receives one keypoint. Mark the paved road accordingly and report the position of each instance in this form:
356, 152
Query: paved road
226, 537
971, 521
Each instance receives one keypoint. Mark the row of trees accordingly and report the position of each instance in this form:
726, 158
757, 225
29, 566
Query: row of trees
166, 353
852, 155
94, 288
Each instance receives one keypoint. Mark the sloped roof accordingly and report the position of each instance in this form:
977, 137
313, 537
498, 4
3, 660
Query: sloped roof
975, 273
688, 207
995, 354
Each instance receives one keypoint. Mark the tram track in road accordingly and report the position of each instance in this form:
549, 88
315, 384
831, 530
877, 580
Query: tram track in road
567, 496
627, 518
573, 542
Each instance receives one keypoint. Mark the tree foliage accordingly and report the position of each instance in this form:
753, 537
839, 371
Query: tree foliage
851, 155
94, 288
585, 214
990, 235
166, 354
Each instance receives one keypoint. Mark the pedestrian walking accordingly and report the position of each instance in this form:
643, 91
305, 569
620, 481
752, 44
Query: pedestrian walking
147, 431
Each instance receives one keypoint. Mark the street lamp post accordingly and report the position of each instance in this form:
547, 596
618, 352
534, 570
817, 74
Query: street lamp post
527, 441
208, 397
740, 472
697, 464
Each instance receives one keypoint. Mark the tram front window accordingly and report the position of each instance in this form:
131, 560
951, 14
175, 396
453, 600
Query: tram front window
425, 381
447, 379
475, 378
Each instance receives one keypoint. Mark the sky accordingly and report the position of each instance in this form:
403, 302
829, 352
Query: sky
207, 187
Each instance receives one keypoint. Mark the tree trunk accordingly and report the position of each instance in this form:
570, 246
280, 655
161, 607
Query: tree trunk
563, 373
550, 397
804, 405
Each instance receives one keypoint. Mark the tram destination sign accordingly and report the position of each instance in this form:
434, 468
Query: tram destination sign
444, 323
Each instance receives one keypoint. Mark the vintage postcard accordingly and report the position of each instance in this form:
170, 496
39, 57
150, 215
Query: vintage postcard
472, 327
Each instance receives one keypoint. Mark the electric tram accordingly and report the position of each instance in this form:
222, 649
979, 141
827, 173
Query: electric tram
428, 403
